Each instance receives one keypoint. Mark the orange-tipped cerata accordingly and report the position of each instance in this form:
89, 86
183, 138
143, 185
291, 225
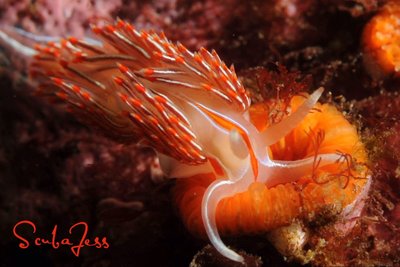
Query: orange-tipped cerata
260, 209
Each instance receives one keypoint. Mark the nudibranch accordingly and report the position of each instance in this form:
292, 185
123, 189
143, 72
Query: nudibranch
235, 171
380, 42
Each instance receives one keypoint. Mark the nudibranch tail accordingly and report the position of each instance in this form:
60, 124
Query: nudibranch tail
7, 39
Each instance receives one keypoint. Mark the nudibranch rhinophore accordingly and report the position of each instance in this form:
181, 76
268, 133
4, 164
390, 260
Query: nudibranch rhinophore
380, 42
235, 172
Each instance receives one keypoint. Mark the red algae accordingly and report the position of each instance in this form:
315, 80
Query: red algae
55, 18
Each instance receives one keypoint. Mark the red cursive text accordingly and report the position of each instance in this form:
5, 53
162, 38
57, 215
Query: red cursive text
75, 245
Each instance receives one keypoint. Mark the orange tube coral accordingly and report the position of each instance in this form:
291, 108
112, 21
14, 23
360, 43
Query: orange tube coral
261, 208
380, 42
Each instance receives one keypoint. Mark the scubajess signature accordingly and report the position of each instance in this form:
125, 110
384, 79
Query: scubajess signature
56, 239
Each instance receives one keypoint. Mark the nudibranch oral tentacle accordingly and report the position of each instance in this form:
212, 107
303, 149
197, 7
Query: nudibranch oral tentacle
275, 132
217, 191
193, 110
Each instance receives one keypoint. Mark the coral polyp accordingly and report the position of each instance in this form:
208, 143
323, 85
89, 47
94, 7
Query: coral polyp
380, 42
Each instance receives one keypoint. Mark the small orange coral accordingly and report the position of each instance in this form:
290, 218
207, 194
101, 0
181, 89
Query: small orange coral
261, 208
380, 41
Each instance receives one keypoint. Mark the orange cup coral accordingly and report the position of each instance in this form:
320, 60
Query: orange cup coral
380, 41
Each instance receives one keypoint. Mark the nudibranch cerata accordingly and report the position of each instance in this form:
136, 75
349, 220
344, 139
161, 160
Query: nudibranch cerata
235, 172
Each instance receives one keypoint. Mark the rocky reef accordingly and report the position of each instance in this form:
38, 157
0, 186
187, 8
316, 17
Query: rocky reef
56, 171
